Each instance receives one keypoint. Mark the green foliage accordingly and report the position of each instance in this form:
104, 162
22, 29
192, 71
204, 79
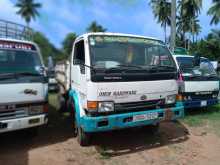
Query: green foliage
187, 18
68, 43
208, 47
214, 11
95, 27
28, 9
47, 49
162, 12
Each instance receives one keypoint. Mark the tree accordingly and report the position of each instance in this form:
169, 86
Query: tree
188, 17
47, 49
162, 12
210, 46
68, 43
95, 27
214, 11
28, 9
196, 28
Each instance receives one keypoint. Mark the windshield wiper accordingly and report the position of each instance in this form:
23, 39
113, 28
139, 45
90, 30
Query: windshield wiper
210, 76
167, 67
27, 74
130, 66
5, 76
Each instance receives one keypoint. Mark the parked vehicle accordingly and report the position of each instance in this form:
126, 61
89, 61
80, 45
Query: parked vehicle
52, 82
23, 81
115, 81
200, 87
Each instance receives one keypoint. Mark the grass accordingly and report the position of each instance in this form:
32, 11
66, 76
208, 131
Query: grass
202, 117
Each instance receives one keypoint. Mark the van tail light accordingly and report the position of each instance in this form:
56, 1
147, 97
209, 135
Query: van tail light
46, 109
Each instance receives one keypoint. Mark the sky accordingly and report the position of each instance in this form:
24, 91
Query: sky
60, 17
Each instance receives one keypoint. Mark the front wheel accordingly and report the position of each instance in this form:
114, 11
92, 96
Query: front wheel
83, 137
73, 118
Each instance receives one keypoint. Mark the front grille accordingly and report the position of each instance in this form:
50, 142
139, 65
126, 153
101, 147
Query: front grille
11, 114
195, 96
139, 106
16, 110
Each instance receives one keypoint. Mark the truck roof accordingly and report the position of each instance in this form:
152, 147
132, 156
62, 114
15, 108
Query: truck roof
115, 34
18, 41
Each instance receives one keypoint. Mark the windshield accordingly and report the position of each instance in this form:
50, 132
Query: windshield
187, 67
16, 61
109, 52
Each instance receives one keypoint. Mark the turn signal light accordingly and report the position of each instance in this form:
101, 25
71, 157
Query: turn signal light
179, 97
92, 105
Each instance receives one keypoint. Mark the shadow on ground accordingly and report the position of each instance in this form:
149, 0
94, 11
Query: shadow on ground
134, 140
14, 146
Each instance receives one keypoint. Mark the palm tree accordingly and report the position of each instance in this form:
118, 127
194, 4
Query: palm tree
214, 11
187, 17
28, 9
95, 27
196, 28
162, 12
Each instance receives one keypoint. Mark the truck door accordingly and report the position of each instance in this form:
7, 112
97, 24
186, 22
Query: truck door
78, 76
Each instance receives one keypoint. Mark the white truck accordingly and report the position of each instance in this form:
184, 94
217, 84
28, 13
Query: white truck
23, 81
200, 82
115, 81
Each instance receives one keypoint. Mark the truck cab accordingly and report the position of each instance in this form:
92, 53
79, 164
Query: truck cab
120, 81
23, 81
200, 82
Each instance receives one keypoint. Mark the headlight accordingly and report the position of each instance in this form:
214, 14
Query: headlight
34, 110
171, 99
105, 107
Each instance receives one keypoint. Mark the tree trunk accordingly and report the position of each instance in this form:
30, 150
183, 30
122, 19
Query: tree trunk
165, 33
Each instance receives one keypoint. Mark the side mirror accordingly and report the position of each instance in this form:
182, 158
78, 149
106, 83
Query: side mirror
41, 70
197, 60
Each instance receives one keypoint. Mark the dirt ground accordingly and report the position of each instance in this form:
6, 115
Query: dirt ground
175, 144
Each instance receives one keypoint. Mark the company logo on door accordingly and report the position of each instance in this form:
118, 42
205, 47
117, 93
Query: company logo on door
118, 93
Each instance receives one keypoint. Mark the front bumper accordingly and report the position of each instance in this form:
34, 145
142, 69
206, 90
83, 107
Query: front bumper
198, 103
119, 121
23, 123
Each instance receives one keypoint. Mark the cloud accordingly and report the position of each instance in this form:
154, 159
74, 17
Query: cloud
8, 11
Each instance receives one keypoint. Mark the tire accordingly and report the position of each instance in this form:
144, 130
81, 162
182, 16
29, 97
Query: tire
73, 119
62, 102
83, 138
